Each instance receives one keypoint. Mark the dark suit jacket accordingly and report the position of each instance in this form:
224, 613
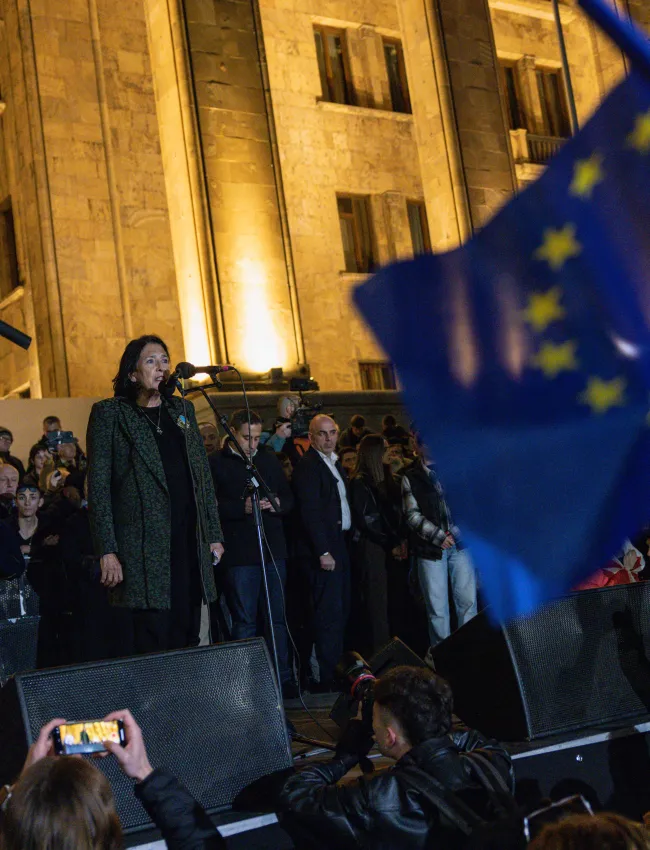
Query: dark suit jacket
240, 533
129, 502
318, 509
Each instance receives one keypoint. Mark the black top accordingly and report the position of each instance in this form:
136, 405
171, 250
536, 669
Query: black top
171, 445
230, 478
184, 563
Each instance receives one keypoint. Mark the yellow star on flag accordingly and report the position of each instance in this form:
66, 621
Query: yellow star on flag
588, 173
559, 246
553, 359
601, 395
639, 138
544, 308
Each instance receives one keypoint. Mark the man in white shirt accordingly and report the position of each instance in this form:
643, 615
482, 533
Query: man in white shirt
321, 548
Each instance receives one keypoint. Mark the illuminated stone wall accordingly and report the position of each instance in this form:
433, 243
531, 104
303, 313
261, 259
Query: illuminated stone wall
173, 168
88, 188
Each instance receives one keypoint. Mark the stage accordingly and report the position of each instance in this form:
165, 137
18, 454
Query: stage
610, 766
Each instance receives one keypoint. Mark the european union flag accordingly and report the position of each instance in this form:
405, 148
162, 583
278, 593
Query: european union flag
525, 360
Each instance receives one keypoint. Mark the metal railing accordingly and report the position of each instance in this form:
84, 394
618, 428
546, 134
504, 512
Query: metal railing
542, 148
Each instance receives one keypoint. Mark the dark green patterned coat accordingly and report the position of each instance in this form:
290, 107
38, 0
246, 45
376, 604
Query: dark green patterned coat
128, 501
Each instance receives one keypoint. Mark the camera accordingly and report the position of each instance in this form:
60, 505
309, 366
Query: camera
354, 672
53, 438
307, 409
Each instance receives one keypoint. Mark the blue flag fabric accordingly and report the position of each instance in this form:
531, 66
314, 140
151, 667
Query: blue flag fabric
524, 358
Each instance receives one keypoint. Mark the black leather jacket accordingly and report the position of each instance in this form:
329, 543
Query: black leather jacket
382, 812
374, 514
182, 821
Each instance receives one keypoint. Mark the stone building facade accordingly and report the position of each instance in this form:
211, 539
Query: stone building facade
224, 172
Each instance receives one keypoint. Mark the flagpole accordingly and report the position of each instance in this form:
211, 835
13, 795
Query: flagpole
628, 37
575, 126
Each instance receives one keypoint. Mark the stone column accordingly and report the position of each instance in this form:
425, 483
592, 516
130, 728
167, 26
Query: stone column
468, 43
529, 93
91, 208
241, 162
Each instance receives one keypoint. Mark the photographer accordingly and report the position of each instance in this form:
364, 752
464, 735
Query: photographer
62, 801
412, 724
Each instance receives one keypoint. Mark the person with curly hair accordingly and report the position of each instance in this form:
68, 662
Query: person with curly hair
604, 831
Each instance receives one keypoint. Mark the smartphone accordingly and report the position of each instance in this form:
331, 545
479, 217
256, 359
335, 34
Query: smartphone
87, 736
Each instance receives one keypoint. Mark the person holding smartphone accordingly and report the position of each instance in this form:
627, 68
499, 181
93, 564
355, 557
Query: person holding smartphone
33, 811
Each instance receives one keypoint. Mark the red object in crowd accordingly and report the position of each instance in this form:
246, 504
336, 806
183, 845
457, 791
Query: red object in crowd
613, 574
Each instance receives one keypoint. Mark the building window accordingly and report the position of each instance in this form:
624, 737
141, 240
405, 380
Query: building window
9, 277
555, 116
397, 82
377, 375
510, 85
333, 65
419, 226
356, 233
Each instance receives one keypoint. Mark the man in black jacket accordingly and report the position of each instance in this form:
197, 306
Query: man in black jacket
412, 723
241, 564
321, 548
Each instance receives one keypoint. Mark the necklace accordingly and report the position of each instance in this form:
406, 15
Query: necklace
151, 422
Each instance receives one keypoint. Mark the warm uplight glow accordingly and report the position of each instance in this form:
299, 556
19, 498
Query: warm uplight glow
263, 347
195, 331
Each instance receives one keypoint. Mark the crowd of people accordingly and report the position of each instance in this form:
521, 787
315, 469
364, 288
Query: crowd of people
350, 533
123, 546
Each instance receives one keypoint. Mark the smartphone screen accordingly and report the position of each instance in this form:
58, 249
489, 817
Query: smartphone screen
87, 736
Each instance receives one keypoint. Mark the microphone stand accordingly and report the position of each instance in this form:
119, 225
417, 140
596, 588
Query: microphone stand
256, 484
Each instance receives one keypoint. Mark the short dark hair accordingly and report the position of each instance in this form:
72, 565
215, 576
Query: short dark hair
389, 421
358, 421
50, 420
240, 418
346, 450
123, 386
6, 431
26, 484
420, 701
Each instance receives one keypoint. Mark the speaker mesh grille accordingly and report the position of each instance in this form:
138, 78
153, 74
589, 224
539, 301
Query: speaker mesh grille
211, 716
583, 660
10, 593
17, 646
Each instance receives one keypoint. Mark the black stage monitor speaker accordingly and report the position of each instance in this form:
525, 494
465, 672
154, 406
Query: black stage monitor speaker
579, 662
212, 716
18, 640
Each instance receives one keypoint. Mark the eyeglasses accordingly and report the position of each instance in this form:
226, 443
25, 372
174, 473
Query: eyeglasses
574, 805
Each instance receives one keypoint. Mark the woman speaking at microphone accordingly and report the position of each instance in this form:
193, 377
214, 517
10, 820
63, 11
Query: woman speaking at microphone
151, 502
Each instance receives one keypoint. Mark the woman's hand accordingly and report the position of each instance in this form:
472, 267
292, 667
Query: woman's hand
133, 758
43, 746
111, 570
217, 551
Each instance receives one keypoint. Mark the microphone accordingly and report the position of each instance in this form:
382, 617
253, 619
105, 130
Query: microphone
188, 370
168, 386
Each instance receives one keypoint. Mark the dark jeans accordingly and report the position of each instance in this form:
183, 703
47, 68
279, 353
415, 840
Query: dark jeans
329, 610
245, 597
